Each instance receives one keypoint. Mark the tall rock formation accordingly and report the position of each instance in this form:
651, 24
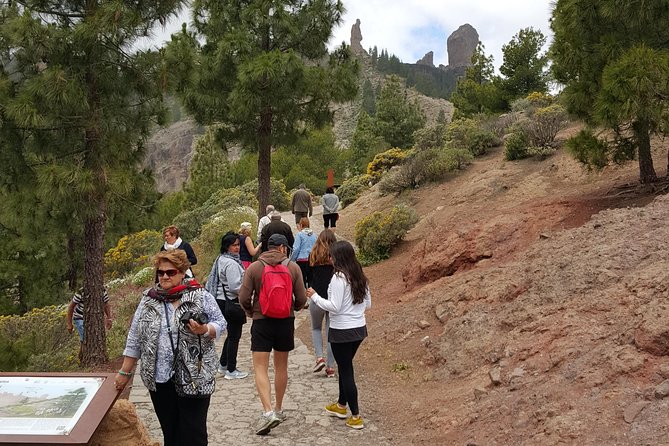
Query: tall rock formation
461, 45
428, 59
356, 38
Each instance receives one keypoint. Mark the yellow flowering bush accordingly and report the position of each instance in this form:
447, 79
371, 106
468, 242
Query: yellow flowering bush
132, 252
383, 161
376, 234
38, 341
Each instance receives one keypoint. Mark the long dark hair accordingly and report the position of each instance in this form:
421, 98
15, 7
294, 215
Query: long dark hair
228, 239
345, 262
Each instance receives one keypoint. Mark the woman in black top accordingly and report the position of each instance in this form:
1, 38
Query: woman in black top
321, 274
246, 248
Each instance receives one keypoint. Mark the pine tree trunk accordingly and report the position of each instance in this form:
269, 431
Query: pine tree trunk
264, 137
71, 264
94, 349
646, 169
264, 160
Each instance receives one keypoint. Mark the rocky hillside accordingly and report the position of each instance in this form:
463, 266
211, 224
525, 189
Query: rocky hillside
168, 154
528, 307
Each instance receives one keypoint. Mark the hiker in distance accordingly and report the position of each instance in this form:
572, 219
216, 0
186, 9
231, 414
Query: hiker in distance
300, 204
330, 202
271, 291
173, 241
264, 220
276, 226
348, 298
173, 332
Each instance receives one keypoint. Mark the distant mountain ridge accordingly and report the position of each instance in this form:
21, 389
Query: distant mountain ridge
169, 150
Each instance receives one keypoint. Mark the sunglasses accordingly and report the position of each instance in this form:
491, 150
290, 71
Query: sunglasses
169, 272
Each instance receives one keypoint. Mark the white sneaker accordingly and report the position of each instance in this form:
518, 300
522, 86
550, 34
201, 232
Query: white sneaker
222, 369
237, 374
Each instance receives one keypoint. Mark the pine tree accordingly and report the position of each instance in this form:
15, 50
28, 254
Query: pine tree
365, 142
83, 103
209, 169
262, 71
368, 99
478, 91
612, 59
524, 64
396, 117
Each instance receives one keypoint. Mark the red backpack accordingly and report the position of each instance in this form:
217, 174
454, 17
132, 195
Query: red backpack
276, 290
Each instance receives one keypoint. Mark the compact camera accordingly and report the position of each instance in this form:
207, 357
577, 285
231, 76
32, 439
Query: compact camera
200, 318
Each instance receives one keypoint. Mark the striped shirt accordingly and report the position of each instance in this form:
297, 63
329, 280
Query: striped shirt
78, 312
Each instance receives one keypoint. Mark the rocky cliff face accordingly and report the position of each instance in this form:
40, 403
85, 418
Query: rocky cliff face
461, 45
428, 60
169, 152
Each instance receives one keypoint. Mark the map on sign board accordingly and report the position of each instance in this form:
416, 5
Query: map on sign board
44, 405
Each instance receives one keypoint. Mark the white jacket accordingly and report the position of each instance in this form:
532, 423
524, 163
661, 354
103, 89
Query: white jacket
343, 313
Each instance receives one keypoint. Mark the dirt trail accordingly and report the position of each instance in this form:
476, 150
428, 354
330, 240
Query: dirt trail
506, 278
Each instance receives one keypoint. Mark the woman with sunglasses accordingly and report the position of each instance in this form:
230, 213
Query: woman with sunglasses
161, 329
348, 298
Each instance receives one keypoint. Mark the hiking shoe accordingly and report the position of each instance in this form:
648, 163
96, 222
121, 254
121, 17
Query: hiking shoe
237, 374
336, 411
266, 423
355, 422
329, 372
222, 369
281, 416
320, 365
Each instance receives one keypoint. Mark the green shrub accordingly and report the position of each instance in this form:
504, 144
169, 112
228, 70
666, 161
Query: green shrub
532, 102
516, 146
467, 133
376, 234
125, 304
545, 124
131, 252
209, 240
278, 197
351, 189
588, 149
190, 222
383, 161
424, 167
145, 277
400, 178
231, 198
38, 341
167, 208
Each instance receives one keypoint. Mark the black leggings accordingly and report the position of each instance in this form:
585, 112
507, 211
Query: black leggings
182, 420
348, 391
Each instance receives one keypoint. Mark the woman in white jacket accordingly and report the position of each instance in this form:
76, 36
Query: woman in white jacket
348, 298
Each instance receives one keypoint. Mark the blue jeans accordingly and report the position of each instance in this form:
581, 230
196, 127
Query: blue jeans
79, 323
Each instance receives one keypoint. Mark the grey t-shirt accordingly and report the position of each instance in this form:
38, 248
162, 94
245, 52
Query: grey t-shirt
330, 203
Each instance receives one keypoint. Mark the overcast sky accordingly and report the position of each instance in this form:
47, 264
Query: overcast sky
411, 28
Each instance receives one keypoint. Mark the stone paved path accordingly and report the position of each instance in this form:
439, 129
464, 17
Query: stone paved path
235, 406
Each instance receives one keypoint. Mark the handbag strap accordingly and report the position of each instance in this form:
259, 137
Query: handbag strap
175, 351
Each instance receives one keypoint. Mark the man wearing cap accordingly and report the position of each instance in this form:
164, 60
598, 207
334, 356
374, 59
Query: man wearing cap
269, 334
276, 226
301, 204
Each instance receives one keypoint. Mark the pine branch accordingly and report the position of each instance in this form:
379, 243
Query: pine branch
69, 15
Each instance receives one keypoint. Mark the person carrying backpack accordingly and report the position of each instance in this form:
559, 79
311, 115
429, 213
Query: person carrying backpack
271, 291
